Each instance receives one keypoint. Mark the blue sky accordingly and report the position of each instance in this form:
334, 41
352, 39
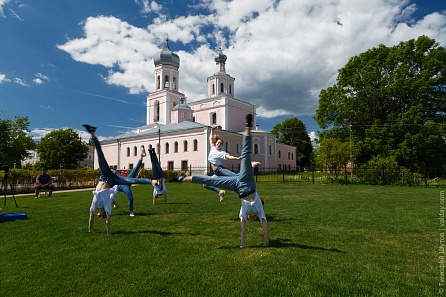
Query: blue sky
64, 63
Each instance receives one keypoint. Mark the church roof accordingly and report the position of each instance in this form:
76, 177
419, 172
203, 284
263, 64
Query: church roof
152, 130
182, 104
220, 57
166, 56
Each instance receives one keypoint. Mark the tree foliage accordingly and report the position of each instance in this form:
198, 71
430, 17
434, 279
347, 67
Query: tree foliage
332, 153
394, 101
14, 139
62, 148
293, 132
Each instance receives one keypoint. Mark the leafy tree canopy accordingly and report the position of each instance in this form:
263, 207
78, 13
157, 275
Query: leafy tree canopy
293, 132
393, 101
14, 139
62, 148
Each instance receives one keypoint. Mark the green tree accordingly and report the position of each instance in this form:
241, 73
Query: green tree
62, 148
332, 153
390, 97
14, 139
293, 132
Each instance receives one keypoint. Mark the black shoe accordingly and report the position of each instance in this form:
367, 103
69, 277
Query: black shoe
181, 177
248, 123
89, 128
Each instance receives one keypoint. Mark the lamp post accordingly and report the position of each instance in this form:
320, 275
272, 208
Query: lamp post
119, 154
159, 142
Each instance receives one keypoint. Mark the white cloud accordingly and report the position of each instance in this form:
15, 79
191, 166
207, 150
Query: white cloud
21, 82
313, 136
38, 133
3, 3
149, 6
40, 78
11, 6
282, 53
3, 78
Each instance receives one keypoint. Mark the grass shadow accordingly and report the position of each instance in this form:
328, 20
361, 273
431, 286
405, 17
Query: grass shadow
156, 232
284, 243
269, 218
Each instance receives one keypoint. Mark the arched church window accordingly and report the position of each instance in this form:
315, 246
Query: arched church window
185, 146
157, 111
135, 151
213, 88
176, 147
167, 148
230, 89
195, 145
256, 148
128, 152
213, 118
222, 87
166, 82
174, 83
158, 82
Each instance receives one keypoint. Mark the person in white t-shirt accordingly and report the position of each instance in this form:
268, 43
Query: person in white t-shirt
159, 189
253, 210
216, 155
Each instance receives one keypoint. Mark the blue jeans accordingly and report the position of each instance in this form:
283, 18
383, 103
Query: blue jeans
220, 171
241, 183
108, 176
126, 188
157, 171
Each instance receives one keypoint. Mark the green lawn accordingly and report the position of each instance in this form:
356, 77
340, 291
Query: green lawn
326, 240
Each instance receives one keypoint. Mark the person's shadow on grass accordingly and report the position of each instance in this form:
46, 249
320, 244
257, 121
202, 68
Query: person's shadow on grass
286, 243
156, 232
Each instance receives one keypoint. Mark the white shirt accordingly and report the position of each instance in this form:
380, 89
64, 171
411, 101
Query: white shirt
101, 199
157, 189
252, 208
215, 156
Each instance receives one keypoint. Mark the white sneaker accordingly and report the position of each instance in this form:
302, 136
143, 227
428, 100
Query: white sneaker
132, 214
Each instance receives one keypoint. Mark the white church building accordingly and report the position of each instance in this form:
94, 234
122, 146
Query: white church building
179, 131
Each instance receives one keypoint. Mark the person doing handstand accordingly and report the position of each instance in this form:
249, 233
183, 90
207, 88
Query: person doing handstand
107, 179
114, 191
157, 173
242, 183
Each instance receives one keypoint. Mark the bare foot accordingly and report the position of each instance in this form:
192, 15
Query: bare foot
222, 195
255, 164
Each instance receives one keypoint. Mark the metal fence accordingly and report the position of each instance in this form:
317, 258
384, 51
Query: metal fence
398, 176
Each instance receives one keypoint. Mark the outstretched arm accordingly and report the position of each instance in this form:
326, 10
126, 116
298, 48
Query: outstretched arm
229, 157
265, 233
242, 232
90, 223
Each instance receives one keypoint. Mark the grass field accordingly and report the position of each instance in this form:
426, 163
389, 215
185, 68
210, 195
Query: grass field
326, 240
